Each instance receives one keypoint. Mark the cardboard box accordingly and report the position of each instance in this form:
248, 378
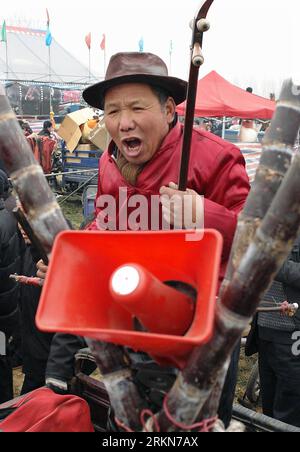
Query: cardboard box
70, 127
99, 136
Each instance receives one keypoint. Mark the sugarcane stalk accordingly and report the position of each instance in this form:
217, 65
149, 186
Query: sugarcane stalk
241, 296
277, 152
46, 219
197, 384
114, 365
285, 308
27, 280
213, 402
36, 197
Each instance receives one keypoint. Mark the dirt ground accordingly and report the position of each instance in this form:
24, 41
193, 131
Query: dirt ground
18, 381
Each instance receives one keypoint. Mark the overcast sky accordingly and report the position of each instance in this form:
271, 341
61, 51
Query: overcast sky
251, 43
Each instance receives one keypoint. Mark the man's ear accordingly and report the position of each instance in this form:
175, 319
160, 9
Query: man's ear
170, 110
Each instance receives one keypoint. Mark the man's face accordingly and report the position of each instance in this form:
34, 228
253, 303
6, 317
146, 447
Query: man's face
136, 120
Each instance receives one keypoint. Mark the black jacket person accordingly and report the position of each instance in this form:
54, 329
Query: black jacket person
275, 337
35, 344
10, 263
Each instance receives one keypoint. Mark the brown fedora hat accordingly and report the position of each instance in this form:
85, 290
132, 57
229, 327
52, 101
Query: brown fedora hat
136, 67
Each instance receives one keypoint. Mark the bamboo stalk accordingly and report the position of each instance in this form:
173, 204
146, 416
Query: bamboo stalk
241, 296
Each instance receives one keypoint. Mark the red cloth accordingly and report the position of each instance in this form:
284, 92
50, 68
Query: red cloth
42, 148
217, 171
48, 146
44, 411
218, 97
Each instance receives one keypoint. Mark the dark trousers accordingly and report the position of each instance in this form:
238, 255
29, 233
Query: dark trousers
6, 379
280, 382
227, 398
30, 384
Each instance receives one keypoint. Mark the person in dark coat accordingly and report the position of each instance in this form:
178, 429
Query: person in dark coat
35, 344
10, 263
274, 336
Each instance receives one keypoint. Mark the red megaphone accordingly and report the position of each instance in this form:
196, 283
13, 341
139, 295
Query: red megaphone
157, 306
81, 302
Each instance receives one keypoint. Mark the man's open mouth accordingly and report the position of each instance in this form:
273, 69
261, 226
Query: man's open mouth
132, 147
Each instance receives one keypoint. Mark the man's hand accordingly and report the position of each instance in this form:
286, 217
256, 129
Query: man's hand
42, 270
183, 210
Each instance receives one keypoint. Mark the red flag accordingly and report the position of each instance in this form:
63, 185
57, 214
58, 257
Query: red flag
48, 18
102, 45
88, 40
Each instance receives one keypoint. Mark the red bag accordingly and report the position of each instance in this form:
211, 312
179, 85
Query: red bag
44, 411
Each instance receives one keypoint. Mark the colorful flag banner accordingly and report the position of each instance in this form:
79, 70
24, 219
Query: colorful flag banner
88, 40
141, 44
48, 40
3, 33
103, 42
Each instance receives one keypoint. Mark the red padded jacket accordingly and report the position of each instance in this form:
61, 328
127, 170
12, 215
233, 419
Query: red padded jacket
217, 171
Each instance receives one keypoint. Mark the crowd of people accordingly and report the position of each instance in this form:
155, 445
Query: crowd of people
139, 100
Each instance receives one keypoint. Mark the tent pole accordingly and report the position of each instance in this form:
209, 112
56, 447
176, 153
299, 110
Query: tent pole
224, 127
49, 58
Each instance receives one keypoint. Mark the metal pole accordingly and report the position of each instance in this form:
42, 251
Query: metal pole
224, 127
89, 65
171, 53
104, 63
50, 97
77, 190
6, 59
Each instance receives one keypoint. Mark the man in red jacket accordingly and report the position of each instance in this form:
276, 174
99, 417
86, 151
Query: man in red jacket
138, 171
142, 162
